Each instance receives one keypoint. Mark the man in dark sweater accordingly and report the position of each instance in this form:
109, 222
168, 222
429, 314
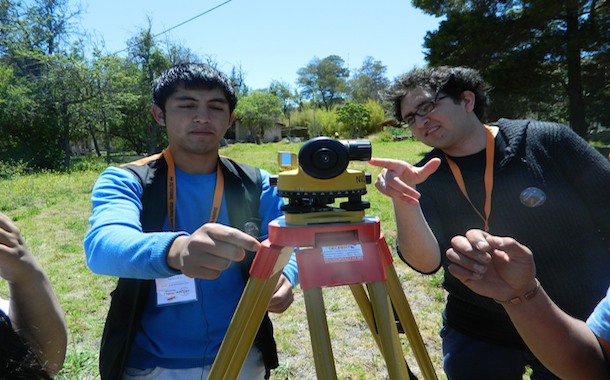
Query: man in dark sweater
537, 182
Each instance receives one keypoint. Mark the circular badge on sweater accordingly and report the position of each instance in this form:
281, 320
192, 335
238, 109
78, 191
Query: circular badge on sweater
532, 197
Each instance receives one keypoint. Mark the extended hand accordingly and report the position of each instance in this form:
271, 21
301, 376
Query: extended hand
399, 178
210, 250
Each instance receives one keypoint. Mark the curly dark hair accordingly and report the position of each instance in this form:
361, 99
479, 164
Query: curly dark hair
451, 81
191, 76
17, 360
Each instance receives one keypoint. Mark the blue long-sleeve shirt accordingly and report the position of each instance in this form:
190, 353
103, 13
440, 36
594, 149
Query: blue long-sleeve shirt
177, 335
599, 320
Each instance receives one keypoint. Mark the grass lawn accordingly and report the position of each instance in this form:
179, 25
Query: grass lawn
52, 211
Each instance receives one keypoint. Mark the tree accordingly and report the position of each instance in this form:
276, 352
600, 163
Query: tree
258, 111
377, 117
354, 118
531, 51
50, 74
48, 24
368, 81
119, 101
324, 79
595, 64
71, 88
144, 51
283, 91
15, 107
238, 80
52, 96
9, 20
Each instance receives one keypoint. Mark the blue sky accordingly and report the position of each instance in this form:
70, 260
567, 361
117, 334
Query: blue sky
271, 39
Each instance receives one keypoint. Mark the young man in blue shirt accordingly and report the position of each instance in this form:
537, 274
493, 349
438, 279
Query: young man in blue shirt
192, 262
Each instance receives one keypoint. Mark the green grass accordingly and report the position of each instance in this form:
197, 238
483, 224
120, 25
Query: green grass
52, 211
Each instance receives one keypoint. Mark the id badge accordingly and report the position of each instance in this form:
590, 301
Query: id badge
175, 290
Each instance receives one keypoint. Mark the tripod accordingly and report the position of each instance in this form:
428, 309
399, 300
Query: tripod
353, 254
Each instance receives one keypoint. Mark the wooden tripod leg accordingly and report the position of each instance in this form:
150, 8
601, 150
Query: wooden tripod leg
388, 334
244, 325
318, 331
401, 305
362, 299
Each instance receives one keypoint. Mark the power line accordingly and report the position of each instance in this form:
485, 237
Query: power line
191, 19
183, 22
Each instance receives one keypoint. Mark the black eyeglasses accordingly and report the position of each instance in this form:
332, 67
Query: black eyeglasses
422, 110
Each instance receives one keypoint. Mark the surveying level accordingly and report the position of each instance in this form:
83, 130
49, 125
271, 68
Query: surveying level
334, 246
320, 176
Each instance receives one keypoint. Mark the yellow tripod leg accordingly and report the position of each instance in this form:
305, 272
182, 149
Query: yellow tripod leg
318, 331
388, 334
399, 300
362, 299
244, 325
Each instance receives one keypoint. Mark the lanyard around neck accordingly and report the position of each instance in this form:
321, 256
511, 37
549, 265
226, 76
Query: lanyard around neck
171, 190
489, 174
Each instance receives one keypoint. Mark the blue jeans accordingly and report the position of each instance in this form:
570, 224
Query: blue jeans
252, 369
466, 358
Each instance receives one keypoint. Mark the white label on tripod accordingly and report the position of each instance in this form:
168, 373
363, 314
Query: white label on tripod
342, 253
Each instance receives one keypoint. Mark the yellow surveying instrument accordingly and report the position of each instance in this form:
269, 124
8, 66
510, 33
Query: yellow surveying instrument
335, 246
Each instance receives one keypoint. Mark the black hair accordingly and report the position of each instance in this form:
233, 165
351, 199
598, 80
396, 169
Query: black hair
17, 359
191, 76
451, 81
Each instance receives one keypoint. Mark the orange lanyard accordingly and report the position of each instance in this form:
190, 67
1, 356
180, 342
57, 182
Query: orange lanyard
489, 177
171, 190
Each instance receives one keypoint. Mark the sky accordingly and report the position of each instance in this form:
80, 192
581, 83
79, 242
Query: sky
270, 39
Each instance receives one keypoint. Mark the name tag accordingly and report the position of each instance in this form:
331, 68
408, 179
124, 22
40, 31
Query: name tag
176, 289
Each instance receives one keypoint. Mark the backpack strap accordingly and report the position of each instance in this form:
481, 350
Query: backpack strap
243, 188
152, 174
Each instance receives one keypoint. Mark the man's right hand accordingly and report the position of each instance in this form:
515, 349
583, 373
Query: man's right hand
398, 178
209, 250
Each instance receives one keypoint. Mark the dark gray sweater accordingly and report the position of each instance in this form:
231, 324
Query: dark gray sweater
569, 233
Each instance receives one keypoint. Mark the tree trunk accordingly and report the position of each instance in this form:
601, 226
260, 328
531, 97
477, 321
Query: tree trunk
153, 139
576, 109
96, 145
65, 118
